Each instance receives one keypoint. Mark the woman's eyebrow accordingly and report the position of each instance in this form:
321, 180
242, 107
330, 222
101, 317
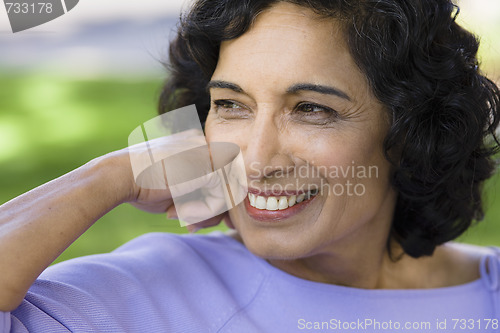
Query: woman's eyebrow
327, 90
224, 85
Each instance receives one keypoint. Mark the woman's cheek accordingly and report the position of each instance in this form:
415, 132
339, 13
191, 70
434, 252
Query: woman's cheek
226, 130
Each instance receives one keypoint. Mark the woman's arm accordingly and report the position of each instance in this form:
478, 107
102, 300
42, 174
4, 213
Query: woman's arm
36, 227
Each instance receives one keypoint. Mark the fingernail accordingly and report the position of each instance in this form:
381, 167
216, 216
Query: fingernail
171, 215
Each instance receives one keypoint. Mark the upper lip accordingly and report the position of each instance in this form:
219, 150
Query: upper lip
271, 193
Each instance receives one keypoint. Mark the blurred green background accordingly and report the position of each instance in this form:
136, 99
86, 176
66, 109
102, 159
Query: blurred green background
50, 124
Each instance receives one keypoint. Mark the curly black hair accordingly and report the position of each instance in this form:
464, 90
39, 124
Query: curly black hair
420, 64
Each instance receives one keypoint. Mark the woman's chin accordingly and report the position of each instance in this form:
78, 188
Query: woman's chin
274, 248
282, 236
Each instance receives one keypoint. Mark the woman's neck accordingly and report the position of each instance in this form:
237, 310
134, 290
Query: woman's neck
451, 265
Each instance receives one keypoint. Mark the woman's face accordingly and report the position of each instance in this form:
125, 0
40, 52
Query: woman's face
290, 95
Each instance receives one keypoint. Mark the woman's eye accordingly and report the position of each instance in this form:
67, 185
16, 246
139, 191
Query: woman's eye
316, 113
229, 109
313, 108
226, 104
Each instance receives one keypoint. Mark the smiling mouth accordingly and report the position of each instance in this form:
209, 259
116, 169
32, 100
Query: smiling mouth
275, 203
274, 209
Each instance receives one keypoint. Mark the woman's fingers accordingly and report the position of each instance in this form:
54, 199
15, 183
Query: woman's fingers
198, 210
172, 213
151, 160
211, 222
228, 221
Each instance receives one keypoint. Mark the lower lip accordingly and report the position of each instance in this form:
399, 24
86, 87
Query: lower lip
275, 215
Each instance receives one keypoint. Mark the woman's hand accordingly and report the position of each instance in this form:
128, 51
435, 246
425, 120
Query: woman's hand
168, 168
149, 190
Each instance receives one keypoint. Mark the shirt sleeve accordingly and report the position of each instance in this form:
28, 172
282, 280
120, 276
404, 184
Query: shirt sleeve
494, 280
155, 283
99, 293
4, 322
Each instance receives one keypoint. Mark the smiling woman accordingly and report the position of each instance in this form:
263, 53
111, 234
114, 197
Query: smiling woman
305, 89
318, 115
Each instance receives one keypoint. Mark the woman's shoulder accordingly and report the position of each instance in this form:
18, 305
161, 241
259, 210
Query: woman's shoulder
163, 254
160, 241
466, 262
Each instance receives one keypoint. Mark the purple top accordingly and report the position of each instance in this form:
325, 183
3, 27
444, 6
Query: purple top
212, 283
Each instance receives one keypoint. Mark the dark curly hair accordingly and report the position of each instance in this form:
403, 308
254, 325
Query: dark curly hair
420, 64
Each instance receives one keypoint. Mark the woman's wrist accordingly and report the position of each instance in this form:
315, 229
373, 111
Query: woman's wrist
113, 174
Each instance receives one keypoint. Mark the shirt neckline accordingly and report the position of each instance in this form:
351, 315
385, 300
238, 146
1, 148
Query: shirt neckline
276, 272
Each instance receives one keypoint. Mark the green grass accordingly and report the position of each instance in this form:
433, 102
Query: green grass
50, 126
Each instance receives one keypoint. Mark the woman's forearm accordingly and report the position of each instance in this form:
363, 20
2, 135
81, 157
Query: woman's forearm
36, 227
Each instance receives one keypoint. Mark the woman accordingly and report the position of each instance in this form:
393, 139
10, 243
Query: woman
325, 86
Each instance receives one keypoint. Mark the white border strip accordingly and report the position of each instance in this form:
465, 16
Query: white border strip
64, 6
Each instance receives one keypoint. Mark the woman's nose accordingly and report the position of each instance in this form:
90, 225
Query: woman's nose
265, 151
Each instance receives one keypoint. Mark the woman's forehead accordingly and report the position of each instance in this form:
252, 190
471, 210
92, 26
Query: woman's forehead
285, 27
289, 44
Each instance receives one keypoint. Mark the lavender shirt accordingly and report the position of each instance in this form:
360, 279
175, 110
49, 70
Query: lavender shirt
195, 283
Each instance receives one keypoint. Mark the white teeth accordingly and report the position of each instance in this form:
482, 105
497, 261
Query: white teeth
260, 202
278, 203
272, 203
283, 204
251, 197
